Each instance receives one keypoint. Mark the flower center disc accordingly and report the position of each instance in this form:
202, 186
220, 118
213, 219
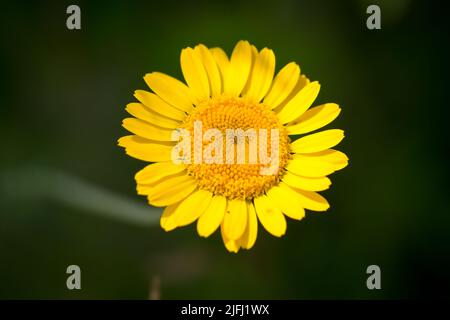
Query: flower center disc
242, 179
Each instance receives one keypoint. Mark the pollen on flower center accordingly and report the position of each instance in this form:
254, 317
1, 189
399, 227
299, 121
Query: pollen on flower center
242, 180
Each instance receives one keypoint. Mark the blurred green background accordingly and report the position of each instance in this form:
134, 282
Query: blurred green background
63, 95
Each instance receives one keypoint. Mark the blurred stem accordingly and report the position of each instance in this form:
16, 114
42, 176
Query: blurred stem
44, 183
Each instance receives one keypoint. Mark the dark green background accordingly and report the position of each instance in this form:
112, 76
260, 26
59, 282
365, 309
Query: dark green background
63, 95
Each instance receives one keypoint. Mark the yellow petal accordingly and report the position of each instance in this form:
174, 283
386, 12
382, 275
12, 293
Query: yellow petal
193, 207
156, 104
309, 167
171, 190
287, 201
261, 75
210, 220
270, 216
235, 219
318, 141
147, 188
212, 70
147, 130
222, 62
295, 107
146, 150
314, 118
231, 245
248, 239
239, 68
337, 158
194, 73
141, 112
168, 218
309, 199
248, 83
305, 183
282, 85
171, 90
302, 82
156, 171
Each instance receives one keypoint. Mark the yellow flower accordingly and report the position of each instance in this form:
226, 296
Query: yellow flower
224, 93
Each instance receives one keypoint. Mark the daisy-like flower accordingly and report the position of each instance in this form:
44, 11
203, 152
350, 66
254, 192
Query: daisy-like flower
224, 93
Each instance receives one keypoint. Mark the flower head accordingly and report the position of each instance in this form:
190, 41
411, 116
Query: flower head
220, 147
